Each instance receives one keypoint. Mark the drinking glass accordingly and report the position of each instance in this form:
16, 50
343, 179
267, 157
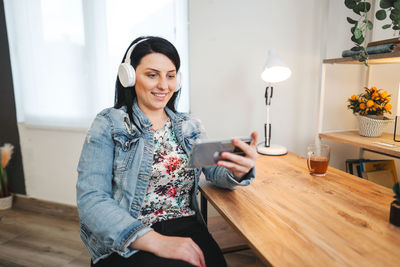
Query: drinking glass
318, 159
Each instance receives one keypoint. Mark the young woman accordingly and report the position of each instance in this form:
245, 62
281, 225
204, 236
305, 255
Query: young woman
136, 196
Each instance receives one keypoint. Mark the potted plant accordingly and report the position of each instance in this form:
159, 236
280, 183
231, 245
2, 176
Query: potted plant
360, 27
5, 197
369, 107
395, 206
391, 8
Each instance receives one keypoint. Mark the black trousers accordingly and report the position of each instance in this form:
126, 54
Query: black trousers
183, 227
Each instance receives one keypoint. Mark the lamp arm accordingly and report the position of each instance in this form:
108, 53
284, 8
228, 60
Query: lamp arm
267, 126
268, 95
267, 132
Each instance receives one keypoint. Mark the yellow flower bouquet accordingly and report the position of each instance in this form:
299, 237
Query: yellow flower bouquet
369, 107
372, 102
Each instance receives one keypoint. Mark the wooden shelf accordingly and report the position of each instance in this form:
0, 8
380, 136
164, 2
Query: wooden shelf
385, 58
384, 144
369, 143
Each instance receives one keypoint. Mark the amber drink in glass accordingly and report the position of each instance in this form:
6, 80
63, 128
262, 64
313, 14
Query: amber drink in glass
318, 159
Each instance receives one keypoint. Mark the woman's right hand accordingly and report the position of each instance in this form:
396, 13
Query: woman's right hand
171, 247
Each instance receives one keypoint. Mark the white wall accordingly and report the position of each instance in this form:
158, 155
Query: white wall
50, 157
228, 42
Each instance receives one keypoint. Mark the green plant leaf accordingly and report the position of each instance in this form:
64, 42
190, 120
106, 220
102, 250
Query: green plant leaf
360, 40
2, 178
352, 29
362, 7
396, 4
385, 3
394, 16
380, 14
350, 3
395, 12
351, 21
395, 27
386, 26
356, 48
354, 39
365, 6
357, 33
369, 25
357, 9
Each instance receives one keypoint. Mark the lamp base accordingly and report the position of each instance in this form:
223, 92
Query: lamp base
272, 150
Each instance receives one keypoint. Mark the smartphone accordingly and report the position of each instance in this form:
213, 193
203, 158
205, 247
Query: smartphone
207, 153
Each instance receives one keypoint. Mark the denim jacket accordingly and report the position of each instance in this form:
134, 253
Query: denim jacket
113, 173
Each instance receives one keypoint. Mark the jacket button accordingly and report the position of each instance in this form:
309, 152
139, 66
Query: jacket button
127, 144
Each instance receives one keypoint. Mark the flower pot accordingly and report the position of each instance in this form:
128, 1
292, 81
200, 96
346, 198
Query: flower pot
372, 126
6, 202
395, 213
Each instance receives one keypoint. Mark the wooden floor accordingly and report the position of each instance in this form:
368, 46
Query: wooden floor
31, 239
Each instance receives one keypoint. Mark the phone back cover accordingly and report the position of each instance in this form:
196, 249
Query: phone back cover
207, 154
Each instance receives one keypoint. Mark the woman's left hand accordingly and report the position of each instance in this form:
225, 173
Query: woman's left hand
240, 165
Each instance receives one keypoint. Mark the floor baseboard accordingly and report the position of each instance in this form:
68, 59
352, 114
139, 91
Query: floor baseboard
49, 208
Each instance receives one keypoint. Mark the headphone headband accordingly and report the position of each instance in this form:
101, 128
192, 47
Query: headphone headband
128, 54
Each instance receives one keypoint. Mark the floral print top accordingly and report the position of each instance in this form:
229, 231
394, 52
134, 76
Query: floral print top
168, 192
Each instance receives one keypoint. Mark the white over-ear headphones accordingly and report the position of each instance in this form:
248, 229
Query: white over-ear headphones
127, 74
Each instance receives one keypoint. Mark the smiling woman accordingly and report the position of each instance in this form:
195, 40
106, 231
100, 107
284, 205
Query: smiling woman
136, 195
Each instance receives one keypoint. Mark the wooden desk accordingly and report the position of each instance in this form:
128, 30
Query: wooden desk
290, 218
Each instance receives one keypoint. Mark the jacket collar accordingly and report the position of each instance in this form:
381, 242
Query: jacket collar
138, 116
141, 119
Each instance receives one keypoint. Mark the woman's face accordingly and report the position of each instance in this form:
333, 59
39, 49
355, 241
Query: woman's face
155, 82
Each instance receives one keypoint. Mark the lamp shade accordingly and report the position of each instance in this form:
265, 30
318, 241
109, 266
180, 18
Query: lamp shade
275, 70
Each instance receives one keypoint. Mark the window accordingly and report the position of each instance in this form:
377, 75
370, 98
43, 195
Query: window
65, 53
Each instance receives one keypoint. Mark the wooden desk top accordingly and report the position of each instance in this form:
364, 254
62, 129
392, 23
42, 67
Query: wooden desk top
291, 218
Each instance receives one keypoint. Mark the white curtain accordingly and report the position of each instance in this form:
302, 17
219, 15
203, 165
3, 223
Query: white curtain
65, 53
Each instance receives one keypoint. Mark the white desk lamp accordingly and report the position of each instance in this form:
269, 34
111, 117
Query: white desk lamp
274, 71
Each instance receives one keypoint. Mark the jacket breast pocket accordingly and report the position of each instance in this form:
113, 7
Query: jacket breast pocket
191, 140
123, 151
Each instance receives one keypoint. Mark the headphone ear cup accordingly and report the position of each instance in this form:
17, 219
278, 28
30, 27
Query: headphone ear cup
178, 81
126, 75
